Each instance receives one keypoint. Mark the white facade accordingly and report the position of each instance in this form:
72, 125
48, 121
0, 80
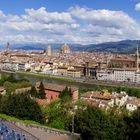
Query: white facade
121, 99
138, 78
131, 107
127, 76
119, 75
9, 66
105, 75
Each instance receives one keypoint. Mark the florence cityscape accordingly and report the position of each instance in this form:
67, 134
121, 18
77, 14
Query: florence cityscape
70, 70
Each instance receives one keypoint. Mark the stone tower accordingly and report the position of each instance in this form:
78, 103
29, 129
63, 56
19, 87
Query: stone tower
49, 50
137, 57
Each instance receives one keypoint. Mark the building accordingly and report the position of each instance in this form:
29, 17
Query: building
49, 50
120, 75
2, 91
62, 71
132, 104
53, 91
74, 73
125, 61
23, 90
65, 49
69, 72
104, 99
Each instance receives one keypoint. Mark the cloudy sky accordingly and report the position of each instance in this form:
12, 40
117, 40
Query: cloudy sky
70, 21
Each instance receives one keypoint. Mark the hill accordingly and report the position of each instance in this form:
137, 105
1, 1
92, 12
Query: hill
125, 46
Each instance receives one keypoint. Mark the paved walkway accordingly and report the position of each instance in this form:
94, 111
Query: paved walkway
41, 134
33, 133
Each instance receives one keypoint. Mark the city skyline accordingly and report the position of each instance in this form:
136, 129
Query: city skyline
71, 21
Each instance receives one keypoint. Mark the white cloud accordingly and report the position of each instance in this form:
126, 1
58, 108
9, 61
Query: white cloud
103, 17
43, 16
77, 25
137, 7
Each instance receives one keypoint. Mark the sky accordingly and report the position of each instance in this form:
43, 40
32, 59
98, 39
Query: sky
69, 21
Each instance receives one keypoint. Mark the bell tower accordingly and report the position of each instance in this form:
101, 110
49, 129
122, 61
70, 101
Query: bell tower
137, 58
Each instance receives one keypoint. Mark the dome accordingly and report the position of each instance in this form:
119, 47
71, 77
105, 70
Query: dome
65, 48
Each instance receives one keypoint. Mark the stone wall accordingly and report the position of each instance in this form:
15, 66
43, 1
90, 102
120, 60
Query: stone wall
46, 129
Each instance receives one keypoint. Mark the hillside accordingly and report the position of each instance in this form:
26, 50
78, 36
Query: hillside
126, 46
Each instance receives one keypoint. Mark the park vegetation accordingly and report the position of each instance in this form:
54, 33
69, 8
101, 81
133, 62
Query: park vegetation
89, 121
22, 107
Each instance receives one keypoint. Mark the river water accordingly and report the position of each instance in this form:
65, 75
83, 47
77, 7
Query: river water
34, 79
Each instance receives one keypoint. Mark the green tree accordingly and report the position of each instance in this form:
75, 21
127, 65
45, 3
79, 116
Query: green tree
41, 92
57, 116
9, 87
11, 78
66, 94
21, 106
33, 92
94, 123
133, 125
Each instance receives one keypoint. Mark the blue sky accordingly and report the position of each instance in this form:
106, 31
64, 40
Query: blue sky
18, 6
74, 21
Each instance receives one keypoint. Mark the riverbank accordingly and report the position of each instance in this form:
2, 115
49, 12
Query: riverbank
89, 83
48, 76
81, 81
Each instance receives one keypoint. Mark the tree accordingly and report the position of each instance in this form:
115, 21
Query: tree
66, 95
33, 92
21, 106
57, 116
41, 92
94, 123
133, 125
9, 87
11, 78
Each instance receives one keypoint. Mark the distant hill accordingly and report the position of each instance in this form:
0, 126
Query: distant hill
125, 46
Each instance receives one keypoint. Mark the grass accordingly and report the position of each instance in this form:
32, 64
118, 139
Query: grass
10, 118
48, 76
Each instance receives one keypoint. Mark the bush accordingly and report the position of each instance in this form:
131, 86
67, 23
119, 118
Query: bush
21, 106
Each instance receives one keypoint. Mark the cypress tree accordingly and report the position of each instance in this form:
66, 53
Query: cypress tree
33, 92
41, 92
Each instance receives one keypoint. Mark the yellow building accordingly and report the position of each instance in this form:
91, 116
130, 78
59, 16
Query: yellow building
62, 71
74, 73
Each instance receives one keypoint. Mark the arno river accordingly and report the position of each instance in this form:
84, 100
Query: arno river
34, 79
92, 84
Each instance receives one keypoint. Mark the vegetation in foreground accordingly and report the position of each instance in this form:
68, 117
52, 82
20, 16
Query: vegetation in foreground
22, 107
91, 122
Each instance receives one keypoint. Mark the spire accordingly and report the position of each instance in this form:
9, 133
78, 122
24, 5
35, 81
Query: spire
137, 57
8, 46
137, 50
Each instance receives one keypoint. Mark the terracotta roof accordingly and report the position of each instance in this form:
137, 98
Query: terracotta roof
56, 87
122, 59
133, 101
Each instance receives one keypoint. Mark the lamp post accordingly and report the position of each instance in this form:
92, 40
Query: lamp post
73, 113
73, 119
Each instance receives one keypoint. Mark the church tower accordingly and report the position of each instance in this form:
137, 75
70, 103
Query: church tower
137, 58
49, 50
